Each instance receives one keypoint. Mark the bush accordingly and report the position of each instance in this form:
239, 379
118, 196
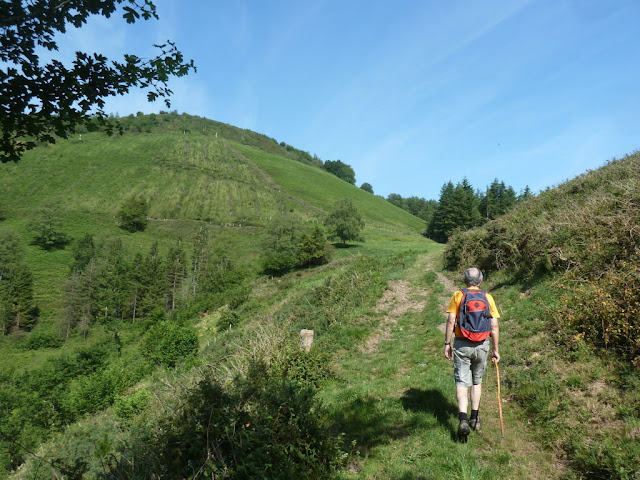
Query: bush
166, 344
306, 368
43, 339
127, 406
258, 426
228, 318
606, 311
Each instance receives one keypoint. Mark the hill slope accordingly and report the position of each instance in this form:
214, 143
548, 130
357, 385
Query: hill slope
113, 310
570, 262
193, 172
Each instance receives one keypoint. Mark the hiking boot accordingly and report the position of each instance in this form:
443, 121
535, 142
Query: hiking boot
476, 424
463, 428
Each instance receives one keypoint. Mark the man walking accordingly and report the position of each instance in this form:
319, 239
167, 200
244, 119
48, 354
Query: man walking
472, 318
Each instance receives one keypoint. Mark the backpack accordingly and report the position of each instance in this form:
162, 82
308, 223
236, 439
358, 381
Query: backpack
474, 316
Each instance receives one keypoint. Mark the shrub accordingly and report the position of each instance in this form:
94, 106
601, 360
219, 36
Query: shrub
127, 406
258, 426
228, 318
306, 368
43, 339
166, 344
605, 312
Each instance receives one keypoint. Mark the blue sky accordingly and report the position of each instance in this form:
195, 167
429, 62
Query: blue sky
410, 93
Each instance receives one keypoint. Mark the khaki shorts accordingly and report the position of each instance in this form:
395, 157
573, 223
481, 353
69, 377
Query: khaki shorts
469, 361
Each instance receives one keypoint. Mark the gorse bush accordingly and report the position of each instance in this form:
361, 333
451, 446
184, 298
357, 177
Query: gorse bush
605, 311
260, 425
307, 368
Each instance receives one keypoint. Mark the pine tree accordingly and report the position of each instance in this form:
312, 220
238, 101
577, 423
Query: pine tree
152, 279
112, 283
83, 252
457, 208
175, 274
497, 200
16, 286
80, 304
200, 257
24, 310
443, 221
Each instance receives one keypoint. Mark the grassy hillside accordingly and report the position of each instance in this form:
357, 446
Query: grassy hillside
192, 175
213, 192
374, 398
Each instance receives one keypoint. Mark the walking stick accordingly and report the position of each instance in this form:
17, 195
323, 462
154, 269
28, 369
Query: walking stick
499, 398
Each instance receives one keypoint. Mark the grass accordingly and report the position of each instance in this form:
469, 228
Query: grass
397, 404
319, 188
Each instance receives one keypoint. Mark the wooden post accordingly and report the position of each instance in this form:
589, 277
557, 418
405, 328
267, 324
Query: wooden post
306, 339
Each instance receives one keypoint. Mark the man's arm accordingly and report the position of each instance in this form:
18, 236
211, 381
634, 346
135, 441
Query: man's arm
448, 336
495, 339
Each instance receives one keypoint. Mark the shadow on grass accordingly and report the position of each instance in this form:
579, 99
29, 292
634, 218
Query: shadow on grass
432, 402
369, 423
342, 246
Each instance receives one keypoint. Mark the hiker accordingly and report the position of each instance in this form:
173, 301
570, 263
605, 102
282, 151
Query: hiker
470, 348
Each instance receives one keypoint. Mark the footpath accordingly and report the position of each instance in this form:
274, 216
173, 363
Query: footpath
395, 394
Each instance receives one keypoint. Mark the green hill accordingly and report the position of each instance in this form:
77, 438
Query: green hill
107, 312
193, 172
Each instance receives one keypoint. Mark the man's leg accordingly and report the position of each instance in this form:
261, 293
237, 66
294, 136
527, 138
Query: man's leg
476, 393
462, 394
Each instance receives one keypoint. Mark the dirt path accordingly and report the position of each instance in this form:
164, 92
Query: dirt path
397, 300
401, 298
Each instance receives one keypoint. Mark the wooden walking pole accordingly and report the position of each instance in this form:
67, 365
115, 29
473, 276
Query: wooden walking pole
499, 398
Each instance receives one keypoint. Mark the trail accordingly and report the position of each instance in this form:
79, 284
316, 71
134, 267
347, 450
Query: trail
398, 395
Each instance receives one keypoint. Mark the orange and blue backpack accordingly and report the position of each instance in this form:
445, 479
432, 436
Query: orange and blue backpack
474, 315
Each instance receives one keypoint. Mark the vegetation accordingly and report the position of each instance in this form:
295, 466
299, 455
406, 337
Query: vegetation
17, 308
168, 353
461, 208
576, 245
133, 214
86, 323
289, 245
42, 100
417, 206
47, 229
340, 170
367, 187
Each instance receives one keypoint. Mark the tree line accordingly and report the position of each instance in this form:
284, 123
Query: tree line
460, 206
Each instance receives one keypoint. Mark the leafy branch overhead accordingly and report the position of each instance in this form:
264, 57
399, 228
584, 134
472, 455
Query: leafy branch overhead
39, 101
